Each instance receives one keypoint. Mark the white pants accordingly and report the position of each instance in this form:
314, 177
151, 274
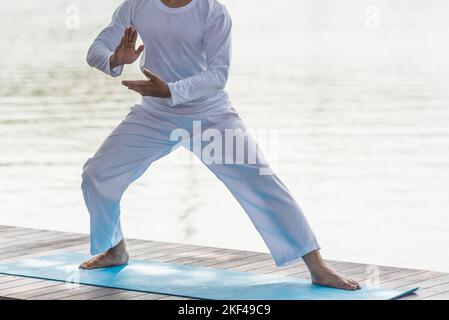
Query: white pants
144, 136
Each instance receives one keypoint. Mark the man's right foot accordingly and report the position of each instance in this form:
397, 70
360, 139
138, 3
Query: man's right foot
115, 256
329, 278
323, 275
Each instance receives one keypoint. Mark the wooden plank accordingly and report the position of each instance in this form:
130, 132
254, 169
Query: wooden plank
34, 250
282, 271
120, 296
55, 295
419, 295
256, 265
175, 298
4, 287
4, 228
423, 280
239, 262
79, 247
133, 247
12, 234
441, 288
8, 278
223, 262
191, 256
15, 281
13, 291
385, 274
17, 230
39, 244
36, 234
93, 294
207, 257
163, 252
40, 238
49, 288
166, 247
146, 296
174, 255
438, 296
300, 270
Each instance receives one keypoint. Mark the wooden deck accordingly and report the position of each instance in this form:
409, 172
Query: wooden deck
16, 243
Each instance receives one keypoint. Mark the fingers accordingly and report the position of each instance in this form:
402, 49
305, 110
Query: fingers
129, 32
122, 41
128, 83
140, 49
150, 75
129, 36
136, 88
140, 86
144, 87
125, 36
139, 90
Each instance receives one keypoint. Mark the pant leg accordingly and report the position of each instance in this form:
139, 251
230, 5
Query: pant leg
266, 200
133, 145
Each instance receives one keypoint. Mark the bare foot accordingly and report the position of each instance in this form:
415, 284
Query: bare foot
322, 275
115, 256
329, 278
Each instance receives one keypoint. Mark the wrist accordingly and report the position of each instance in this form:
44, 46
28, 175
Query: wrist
112, 62
167, 92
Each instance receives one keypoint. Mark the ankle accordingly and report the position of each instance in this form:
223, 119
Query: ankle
119, 249
314, 262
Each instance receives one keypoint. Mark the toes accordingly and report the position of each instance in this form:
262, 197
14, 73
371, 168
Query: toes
357, 285
86, 265
350, 286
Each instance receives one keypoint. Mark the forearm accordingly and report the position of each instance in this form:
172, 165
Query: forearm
100, 52
100, 57
197, 86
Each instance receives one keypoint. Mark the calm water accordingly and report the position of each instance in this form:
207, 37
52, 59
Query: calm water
357, 91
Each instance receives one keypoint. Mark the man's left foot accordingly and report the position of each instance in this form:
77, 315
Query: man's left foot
115, 256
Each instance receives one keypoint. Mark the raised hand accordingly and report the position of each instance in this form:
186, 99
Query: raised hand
126, 51
154, 86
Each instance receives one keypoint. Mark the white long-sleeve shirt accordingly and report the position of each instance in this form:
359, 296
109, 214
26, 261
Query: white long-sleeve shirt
188, 47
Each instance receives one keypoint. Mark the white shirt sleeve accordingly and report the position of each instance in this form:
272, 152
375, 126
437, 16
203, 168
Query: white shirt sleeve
104, 45
217, 43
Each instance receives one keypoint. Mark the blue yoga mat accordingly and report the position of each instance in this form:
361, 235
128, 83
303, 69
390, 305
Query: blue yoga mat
187, 281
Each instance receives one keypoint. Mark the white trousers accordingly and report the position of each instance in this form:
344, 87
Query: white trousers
145, 136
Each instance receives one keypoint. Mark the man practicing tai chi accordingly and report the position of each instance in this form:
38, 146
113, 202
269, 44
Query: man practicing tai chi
187, 48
